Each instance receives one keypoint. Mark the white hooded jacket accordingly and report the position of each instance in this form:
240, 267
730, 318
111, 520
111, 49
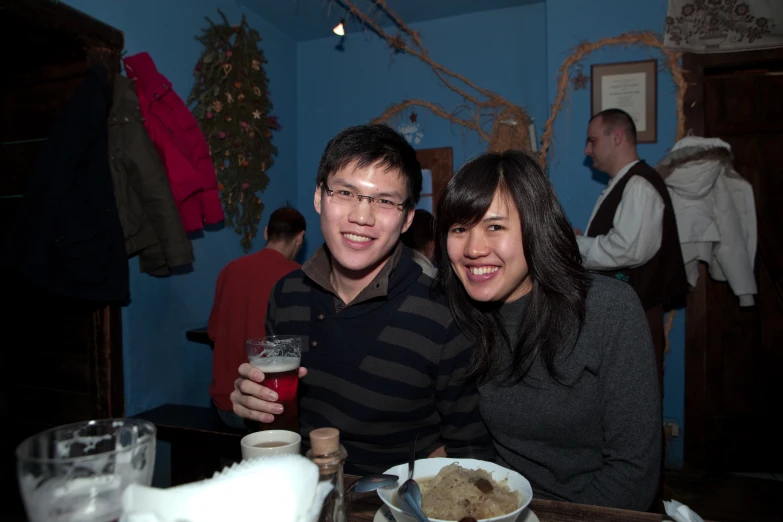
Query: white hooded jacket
715, 211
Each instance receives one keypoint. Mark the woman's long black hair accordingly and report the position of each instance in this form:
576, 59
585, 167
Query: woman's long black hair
555, 309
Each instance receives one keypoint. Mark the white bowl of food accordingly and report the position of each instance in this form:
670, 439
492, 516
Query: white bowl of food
453, 488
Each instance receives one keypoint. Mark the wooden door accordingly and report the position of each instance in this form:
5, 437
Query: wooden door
734, 356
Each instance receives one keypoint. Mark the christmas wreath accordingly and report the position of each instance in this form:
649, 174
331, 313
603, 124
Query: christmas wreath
230, 99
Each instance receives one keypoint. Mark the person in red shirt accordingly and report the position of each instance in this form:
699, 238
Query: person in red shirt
241, 297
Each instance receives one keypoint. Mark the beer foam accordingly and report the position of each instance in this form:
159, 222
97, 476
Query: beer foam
274, 364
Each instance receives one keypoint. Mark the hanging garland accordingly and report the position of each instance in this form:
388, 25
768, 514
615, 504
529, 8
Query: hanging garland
230, 100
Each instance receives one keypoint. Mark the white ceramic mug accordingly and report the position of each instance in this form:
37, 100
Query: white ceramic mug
270, 442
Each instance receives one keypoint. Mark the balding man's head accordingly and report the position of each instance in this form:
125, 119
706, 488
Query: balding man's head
611, 141
613, 120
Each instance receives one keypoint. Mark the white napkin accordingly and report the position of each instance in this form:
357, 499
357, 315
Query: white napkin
680, 512
283, 488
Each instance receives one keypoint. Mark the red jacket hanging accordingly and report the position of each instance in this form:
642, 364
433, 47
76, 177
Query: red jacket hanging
179, 141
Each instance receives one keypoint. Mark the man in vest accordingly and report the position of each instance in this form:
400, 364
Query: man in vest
632, 233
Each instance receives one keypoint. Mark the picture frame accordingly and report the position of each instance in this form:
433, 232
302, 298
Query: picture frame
632, 87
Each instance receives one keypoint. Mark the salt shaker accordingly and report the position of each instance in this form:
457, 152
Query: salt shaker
329, 455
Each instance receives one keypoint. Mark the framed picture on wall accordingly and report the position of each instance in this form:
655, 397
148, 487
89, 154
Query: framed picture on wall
632, 87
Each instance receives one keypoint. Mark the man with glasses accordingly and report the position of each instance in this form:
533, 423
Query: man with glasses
384, 358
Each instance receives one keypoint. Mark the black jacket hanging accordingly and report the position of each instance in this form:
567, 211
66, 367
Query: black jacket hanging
67, 237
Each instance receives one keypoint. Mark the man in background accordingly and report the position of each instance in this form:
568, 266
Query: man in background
420, 238
632, 234
241, 297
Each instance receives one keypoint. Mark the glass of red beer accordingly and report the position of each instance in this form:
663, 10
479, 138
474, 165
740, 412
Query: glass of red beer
278, 356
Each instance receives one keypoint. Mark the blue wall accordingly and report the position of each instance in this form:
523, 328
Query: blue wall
498, 50
569, 23
161, 366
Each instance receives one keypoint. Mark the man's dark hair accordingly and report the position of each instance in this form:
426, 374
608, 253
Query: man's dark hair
284, 224
368, 145
421, 231
616, 118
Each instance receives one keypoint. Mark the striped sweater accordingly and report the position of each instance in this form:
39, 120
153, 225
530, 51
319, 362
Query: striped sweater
384, 368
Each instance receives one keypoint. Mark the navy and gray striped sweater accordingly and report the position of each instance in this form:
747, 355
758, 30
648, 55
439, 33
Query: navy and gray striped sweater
382, 370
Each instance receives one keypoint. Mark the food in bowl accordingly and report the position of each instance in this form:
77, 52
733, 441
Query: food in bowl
456, 492
427, 469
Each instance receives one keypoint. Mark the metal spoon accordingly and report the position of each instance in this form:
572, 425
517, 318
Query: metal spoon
372, 482
411, 495
410, 492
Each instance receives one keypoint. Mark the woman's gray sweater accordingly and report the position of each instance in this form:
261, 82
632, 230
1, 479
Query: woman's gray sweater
596, 439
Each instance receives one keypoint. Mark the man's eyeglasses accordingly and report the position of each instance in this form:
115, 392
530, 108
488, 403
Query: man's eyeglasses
347, 198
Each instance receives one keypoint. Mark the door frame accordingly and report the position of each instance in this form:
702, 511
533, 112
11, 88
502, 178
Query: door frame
440, 161
696, 327
107, 380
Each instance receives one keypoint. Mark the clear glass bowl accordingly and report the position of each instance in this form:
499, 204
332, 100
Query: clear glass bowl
78, 472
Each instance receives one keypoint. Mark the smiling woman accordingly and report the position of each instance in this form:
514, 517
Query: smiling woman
501, 227
563, 359
477, 254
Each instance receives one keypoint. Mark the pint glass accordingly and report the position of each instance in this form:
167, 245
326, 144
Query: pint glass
278, 356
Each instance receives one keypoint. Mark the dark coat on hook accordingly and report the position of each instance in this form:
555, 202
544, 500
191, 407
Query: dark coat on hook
67, 236
148, 213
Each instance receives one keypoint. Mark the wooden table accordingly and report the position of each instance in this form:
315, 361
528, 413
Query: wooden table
362, 508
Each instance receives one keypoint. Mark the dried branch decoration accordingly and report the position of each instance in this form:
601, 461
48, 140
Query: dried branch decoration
509, 121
